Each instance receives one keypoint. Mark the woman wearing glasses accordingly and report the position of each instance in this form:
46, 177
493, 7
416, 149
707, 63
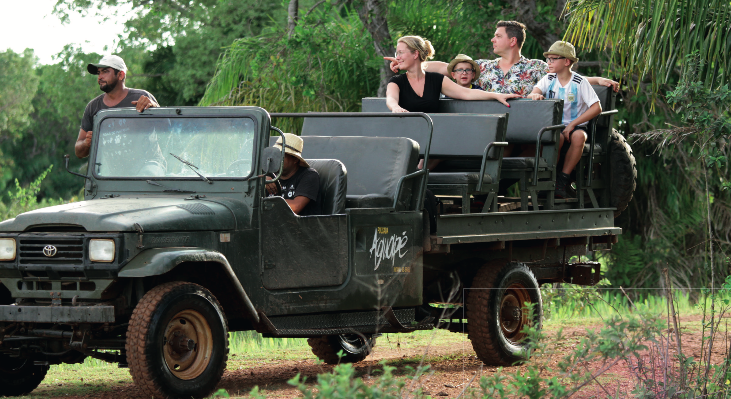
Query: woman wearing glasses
418, 91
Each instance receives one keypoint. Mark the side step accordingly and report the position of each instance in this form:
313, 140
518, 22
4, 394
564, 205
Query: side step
401, 320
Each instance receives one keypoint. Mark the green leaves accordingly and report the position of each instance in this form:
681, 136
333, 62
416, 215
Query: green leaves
18, 85
647, 37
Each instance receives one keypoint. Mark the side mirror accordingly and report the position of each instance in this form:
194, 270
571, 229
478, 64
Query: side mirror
272, 160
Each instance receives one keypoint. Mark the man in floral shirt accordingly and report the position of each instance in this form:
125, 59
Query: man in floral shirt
511, 73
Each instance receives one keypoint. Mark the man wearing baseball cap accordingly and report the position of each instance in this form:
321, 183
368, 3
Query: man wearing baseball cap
300, 182
111, 72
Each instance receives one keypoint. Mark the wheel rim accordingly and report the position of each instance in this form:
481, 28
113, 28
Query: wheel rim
352, 343
187, 344
513, 314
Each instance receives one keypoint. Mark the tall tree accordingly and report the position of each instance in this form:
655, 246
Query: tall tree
373, 15
197, 32
18, 85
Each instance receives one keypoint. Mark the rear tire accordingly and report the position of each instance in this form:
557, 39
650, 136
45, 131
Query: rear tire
177, 342
355, 347
19, 376
496, 314
623, 173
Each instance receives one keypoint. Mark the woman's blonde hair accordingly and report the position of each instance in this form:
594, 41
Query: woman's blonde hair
418, 43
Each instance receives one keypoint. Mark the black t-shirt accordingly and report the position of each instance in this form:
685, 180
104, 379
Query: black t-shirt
97, 104
408, 99
306, 183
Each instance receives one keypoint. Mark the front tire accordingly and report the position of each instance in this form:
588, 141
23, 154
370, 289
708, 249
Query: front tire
177, 342
496, 314
19, 376
355, 347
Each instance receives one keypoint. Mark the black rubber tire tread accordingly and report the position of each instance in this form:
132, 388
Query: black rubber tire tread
24, 380
326, 348
623, 177
143, 374
483, 327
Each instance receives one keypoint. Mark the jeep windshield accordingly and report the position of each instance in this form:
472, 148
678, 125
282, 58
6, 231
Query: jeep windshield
144, 147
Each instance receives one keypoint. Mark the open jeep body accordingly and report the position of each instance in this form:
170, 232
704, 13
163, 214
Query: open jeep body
176, 244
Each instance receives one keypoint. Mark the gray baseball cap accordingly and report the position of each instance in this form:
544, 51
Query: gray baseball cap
108, 61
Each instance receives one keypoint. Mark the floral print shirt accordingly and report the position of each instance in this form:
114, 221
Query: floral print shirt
520, 79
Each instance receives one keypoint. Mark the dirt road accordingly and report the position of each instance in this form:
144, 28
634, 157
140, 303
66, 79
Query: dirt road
453, 366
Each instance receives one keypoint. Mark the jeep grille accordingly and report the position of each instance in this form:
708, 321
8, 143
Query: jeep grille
69, 251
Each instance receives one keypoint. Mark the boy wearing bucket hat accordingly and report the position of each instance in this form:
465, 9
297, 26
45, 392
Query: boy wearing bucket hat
464, 71
300, 182
111, 73
580, 105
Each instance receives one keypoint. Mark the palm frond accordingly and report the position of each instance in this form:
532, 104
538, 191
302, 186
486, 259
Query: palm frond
651, 37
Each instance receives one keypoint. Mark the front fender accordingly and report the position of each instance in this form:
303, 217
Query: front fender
157, 261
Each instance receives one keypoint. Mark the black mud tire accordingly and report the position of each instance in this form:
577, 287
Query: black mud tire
623, 173
355, 347
494, 327
169, 317
19, 376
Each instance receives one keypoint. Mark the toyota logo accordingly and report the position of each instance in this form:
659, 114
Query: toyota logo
50, 251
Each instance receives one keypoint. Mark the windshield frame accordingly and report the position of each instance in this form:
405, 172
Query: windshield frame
110, 114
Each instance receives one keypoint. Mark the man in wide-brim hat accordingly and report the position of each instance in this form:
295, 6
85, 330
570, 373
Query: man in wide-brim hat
300, 183
464, 71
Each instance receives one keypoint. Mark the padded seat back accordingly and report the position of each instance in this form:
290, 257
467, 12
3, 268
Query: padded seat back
455, 135
528, 116
333, 184
374, 164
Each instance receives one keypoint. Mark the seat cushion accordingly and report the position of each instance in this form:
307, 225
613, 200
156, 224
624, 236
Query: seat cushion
520, 163
457, 178
333, 184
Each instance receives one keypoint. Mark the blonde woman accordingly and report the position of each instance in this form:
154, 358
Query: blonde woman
418, 91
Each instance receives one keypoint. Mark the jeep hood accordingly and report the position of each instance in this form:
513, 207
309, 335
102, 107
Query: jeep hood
121, 214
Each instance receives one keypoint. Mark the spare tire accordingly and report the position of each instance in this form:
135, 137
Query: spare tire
622, 172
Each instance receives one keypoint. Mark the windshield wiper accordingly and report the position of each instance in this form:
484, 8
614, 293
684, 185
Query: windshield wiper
170, 190
192, 167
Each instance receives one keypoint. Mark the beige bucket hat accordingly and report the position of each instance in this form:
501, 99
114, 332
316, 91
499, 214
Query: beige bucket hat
464, 58
564, 49
293, 147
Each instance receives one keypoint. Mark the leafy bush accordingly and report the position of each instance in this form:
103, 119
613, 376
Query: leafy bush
24, 199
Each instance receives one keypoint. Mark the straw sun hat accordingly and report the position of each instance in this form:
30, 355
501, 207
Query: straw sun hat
464, 58
293, 147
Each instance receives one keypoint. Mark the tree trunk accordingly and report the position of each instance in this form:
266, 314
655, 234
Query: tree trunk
373, 15
292, 11
526, 10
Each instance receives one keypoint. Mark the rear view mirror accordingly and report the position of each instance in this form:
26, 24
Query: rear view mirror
272, 160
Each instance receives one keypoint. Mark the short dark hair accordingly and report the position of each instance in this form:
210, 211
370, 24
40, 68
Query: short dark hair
514, 29
116, 73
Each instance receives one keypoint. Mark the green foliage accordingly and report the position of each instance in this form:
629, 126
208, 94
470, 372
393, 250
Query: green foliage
18, 85
24, 199
647, 38
188, 37
342, 383
326, 65
64, 90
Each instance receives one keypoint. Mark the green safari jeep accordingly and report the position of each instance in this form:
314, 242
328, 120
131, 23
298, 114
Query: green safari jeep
176, 244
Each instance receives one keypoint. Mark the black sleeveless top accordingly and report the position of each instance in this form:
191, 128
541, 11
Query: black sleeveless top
408, 99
